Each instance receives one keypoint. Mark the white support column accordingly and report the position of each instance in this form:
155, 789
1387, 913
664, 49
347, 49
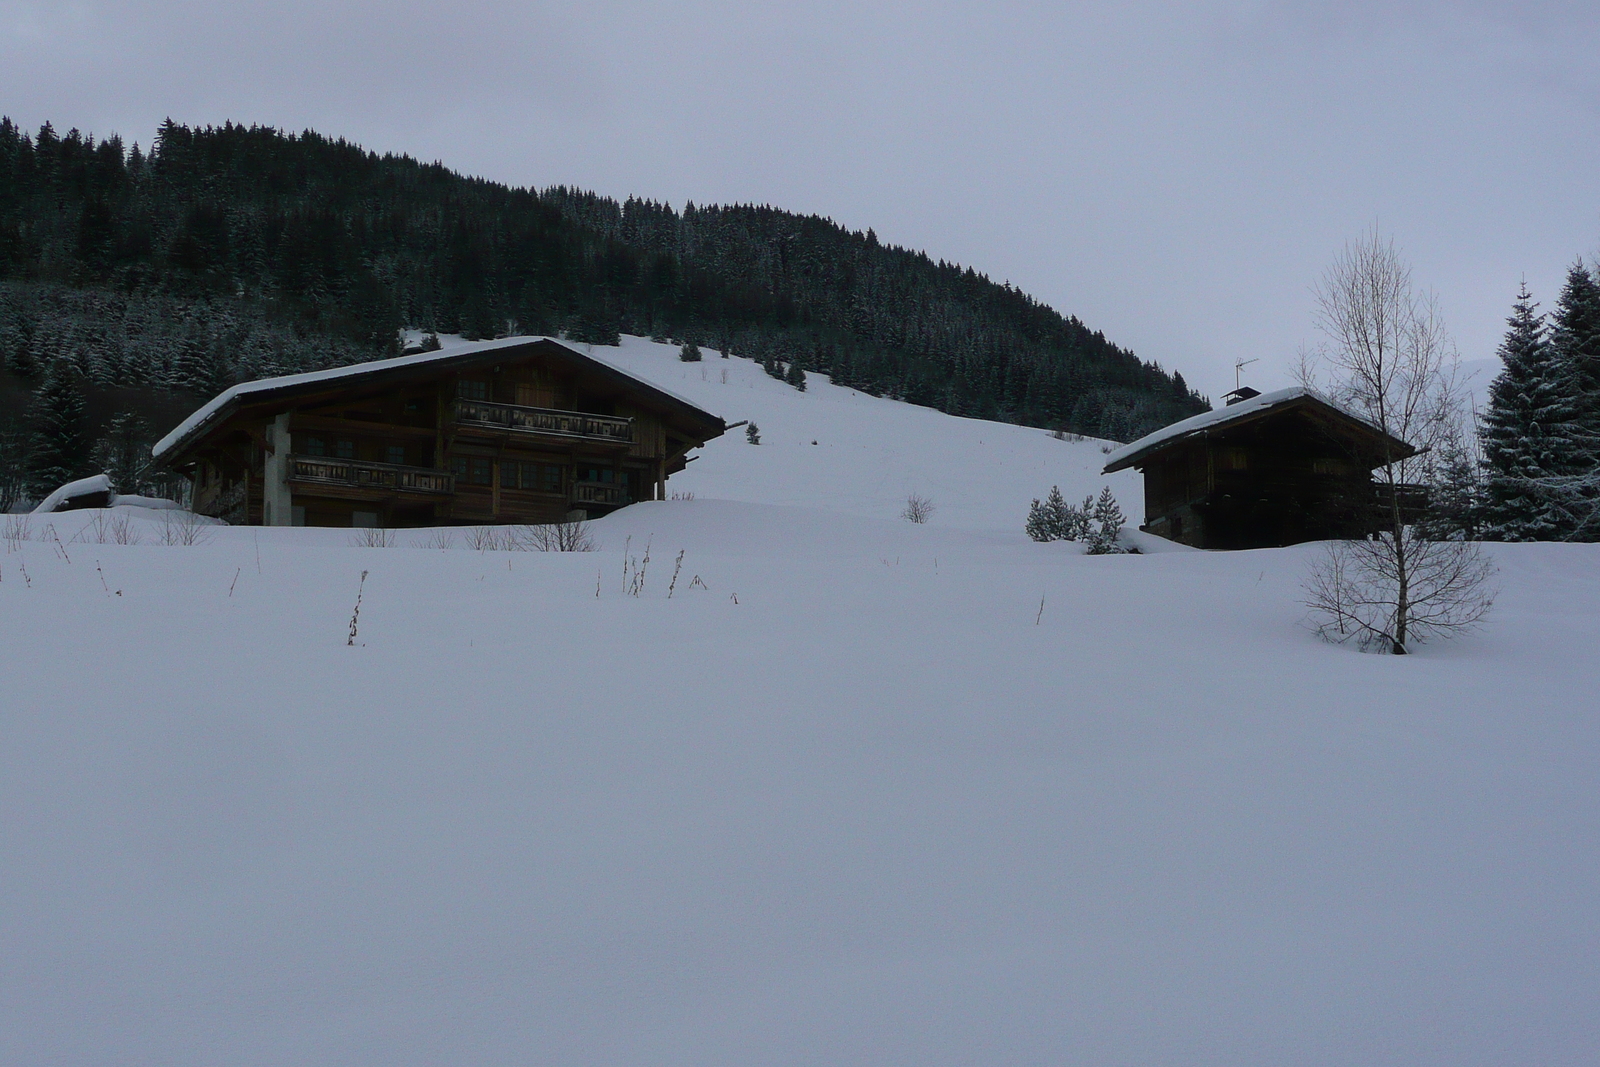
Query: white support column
276, 506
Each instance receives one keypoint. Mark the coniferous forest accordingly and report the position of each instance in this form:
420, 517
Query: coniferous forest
135, 283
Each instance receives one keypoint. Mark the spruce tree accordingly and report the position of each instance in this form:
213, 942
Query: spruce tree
690, 352
124, 453
15, 446
1108, 522
59, 453
1048, 521
1528, 435
1575, 337
796, 376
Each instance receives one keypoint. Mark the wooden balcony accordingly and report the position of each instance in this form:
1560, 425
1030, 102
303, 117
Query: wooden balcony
544, 421
383, 477
598, 493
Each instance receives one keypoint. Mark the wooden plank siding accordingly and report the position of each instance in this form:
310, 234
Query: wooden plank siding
522, 439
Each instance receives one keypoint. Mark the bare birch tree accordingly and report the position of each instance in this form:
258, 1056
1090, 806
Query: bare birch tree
1390, 360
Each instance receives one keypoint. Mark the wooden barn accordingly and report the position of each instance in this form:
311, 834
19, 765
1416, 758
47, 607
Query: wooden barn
1267, 470
519, 430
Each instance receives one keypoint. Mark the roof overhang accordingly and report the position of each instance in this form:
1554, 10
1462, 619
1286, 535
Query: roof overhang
1255, 409
269, 393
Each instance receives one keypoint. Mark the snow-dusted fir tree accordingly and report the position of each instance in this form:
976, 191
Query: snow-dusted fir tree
690, 352
124, 453
1575, 337
1056, 520
1529, 435
1108, 520
14, 448
59, 451
1047, 519
796, 375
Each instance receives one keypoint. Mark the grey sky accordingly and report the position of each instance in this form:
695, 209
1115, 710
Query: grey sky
1175, 174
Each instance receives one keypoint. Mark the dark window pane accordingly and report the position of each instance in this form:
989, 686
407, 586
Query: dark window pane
345, 449
482, 473
458, 466
470, 390
395, 453
315, 447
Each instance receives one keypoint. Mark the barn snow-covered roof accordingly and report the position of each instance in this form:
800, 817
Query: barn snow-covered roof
1245, 410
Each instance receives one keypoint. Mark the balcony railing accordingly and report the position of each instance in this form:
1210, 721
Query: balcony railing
598, 493
543, 421
353, 474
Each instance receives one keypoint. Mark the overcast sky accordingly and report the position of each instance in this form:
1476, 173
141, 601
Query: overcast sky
1175, 174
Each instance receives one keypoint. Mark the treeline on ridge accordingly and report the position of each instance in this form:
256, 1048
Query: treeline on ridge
232, 253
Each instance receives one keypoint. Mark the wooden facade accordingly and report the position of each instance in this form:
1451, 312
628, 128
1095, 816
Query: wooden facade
523, 430
1277, 469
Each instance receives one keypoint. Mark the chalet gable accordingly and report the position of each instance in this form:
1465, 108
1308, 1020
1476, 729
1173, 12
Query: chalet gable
519, 430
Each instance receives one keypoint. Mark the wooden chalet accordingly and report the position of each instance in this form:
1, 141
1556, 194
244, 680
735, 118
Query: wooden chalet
1267, 470
519, 430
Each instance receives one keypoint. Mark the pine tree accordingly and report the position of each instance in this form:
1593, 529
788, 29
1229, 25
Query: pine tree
1528, 435
1575, 337
1108, 522
1455, 495
15, 446
690, 352
59, 452
796, 376
1047, 521
752, 433
124, 453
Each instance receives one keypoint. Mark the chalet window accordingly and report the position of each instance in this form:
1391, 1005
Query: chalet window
472, 470
467, 389
316, 447
395, 454
597, 474
534, 477
344, 449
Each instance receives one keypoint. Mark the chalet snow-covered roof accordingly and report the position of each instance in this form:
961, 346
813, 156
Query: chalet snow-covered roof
468, 353
1243, 411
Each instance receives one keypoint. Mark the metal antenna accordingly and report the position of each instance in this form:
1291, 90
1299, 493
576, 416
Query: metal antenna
1240, 365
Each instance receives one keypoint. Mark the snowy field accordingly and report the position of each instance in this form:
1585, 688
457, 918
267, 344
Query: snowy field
867, 793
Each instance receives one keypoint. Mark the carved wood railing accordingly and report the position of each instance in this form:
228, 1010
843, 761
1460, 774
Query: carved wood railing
598, 493
543, 421
354, 474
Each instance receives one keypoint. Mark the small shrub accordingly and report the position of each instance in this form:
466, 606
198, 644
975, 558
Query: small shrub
183, 528
372, 537
560, 537
919, 509
16, 529
752, 433
439, 539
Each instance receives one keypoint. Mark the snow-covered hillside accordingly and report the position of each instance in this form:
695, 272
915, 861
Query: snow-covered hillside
865, 793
